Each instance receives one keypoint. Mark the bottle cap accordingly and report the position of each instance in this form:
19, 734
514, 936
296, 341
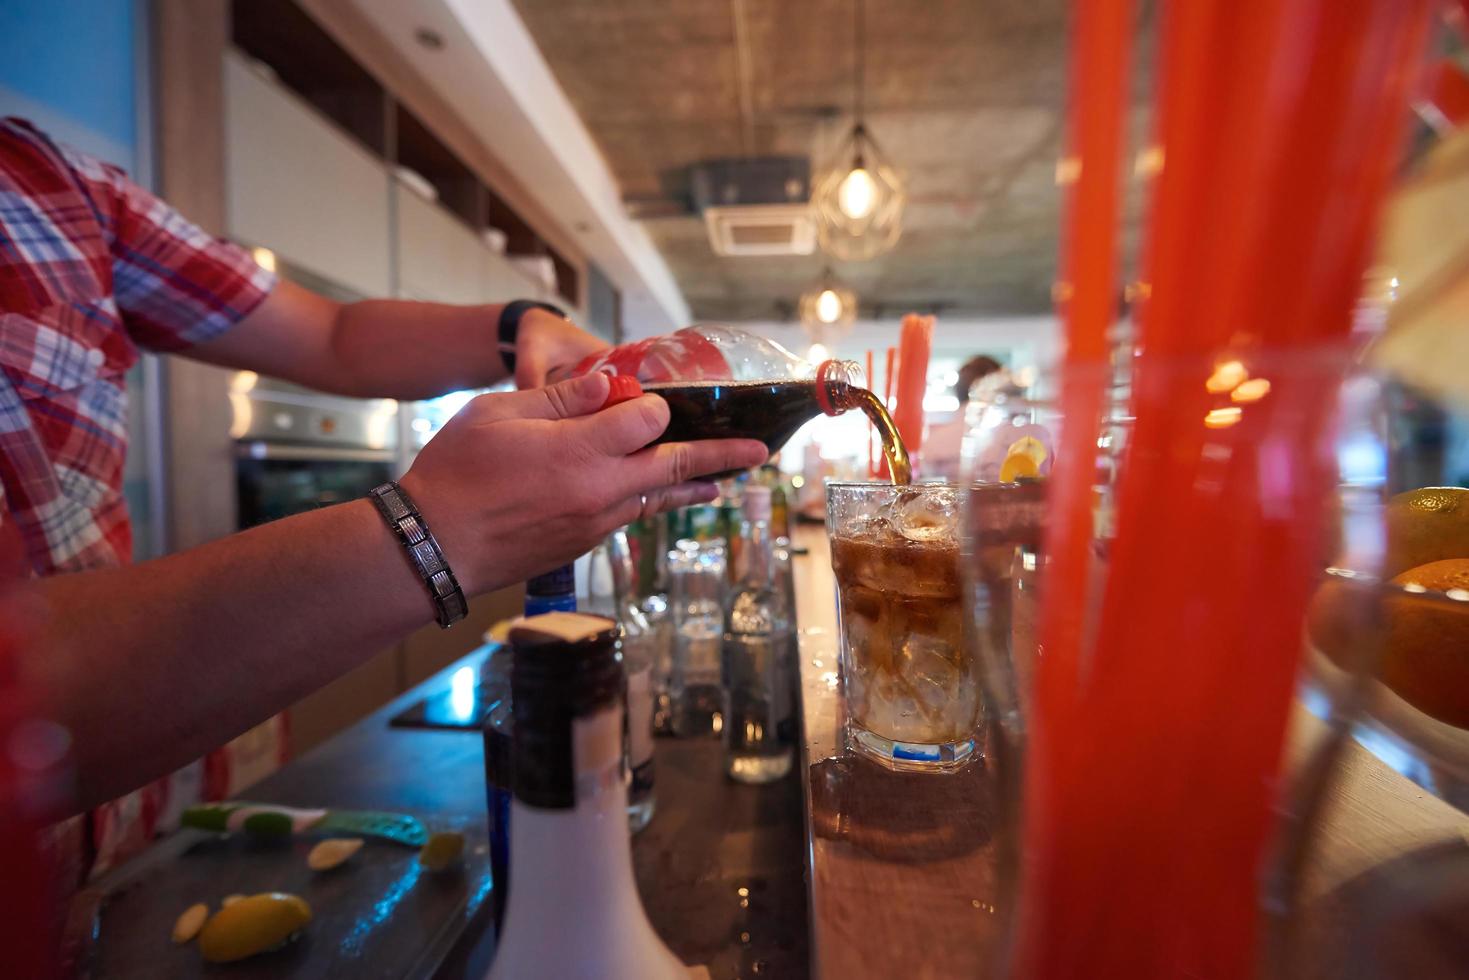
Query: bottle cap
621, 388
757, 503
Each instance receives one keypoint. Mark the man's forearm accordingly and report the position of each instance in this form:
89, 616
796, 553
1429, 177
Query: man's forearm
203, 644
399, 349
378, 348
384, 348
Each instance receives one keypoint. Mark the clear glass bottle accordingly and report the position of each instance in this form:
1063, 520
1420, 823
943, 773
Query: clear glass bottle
697, 579
783, 574
652, 599
575, 913
638, 653
758, 742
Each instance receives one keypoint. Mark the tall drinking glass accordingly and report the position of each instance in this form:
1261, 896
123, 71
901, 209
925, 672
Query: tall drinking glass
908, 677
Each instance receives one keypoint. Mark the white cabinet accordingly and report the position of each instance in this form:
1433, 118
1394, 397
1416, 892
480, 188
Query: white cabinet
301, 188
439, 258
501, 282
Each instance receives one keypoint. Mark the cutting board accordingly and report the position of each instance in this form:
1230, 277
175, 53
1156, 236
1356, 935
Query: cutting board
379, 915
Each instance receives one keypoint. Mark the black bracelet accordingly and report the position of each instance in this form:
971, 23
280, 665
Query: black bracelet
510, 316
424, 553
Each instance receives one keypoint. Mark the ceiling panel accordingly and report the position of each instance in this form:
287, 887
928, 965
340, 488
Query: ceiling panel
964, 95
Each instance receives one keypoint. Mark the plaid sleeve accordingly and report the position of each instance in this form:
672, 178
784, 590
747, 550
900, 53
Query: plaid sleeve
175, 285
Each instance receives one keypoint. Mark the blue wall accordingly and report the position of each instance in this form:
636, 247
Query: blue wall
69, 66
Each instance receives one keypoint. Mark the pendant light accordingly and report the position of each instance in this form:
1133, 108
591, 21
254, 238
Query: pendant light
858, 199
827, 310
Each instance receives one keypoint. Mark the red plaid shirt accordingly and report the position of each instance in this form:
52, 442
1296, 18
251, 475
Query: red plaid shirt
92, 267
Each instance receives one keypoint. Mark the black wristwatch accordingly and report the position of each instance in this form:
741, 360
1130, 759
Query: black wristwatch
510, 316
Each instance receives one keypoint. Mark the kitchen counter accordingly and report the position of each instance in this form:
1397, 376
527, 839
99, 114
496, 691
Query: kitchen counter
719, 868
902, 866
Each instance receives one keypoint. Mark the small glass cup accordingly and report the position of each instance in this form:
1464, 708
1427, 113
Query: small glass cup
697, 579
909, 678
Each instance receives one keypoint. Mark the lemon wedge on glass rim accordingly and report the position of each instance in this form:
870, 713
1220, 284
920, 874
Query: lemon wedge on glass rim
1028, 446
1018, 466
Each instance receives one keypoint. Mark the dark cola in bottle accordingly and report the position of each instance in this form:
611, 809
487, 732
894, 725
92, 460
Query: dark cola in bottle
722, 383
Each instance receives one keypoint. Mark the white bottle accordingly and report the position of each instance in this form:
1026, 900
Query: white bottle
574, 911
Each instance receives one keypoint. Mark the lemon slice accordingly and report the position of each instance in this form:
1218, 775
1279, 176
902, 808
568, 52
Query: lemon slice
1029, 446
1019, 466
252, 925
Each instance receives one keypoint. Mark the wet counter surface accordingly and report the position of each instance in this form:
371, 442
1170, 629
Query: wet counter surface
720, 868
903, 866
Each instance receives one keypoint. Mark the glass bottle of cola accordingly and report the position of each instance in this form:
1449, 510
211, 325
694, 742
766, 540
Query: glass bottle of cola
723, 383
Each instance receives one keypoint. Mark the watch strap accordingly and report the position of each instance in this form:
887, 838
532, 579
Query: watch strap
509, 329
423, 550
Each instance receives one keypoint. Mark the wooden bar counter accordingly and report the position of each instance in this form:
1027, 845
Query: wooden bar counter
902, 876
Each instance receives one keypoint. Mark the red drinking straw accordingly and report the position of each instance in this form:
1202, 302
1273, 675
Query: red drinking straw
1156, 735
1448, 95
915, 344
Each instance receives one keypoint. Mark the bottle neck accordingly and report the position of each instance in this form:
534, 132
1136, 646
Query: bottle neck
624, 569
561, 696
837, 383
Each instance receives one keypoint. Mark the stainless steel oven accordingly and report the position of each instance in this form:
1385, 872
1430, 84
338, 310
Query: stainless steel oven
296, 450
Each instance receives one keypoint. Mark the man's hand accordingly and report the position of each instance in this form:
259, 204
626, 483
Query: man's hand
521, 482
548, 343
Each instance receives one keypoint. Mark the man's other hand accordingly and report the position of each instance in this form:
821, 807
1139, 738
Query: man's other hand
521, 482
548, 344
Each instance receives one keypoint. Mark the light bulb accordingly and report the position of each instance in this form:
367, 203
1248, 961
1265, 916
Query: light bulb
857, 195
828, 306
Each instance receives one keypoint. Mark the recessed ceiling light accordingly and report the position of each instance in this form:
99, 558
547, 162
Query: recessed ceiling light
429, 38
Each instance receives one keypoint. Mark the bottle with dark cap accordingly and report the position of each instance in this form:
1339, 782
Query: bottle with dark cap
575, 911
758, 735
639, 641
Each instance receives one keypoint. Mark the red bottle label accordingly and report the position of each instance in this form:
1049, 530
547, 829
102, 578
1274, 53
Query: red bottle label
685, 355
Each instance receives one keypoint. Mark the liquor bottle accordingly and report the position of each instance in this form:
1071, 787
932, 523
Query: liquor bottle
553, 591
575, 911
639, 641
758, 742
720, 382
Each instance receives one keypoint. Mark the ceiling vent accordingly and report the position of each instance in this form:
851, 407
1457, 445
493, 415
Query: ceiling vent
755, 205
761, 229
